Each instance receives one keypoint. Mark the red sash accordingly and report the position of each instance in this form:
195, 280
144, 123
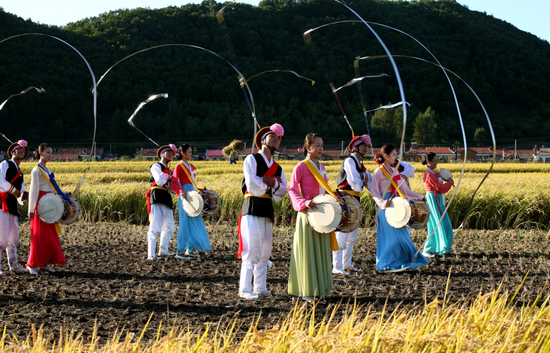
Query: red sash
270, 172
4, 195
148, 193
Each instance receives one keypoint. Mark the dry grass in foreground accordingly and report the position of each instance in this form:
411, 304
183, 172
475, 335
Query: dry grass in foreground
489, 323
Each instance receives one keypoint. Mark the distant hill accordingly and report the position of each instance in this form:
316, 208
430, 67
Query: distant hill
509, 70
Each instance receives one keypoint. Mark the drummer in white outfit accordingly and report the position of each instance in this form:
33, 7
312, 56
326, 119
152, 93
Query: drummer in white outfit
160, 204
353, 176
12, 191
264, 181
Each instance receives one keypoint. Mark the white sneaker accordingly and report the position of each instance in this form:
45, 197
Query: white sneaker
153, 258
337, 271
263, 294
187, 253
48, 268
18, 269
427, 254
308, 299
166, 254
248, 295
32, 271
351, 268
181, 257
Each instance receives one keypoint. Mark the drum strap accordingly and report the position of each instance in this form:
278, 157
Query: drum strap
51, 180
324, 184
187, 172
393, 183
319, 178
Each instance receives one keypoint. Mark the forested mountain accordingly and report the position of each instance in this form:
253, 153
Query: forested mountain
509, 70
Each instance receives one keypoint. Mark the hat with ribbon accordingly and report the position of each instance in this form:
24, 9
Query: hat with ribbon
170, 147
16, 145
276, 129
357, 140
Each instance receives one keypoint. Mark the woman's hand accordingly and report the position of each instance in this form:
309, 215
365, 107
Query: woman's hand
183, 194
388, 203
311, 205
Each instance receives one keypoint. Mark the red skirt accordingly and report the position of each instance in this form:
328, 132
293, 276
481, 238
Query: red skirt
45, 245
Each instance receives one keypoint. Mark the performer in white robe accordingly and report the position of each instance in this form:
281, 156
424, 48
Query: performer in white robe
12, 192
264, 181
160, 204
353, 176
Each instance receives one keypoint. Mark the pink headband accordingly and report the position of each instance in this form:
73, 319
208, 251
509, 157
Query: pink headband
363, 139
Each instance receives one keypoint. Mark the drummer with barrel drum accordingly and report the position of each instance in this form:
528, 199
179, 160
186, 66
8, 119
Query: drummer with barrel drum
47, 206
440, 230
353, 176
395, 250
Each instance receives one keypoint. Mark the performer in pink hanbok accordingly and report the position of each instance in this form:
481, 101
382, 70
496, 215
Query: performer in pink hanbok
310, 264
395, 250
12, 191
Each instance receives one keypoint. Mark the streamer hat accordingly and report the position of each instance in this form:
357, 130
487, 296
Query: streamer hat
162, 149
276, 129
357, 140
16, 145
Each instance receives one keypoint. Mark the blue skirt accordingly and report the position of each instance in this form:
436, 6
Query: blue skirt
394, 247
192, 233
441, 240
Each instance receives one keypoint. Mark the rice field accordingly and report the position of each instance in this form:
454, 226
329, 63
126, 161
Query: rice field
514, 195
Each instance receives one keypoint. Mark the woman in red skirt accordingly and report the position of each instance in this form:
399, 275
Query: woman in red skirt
45, 246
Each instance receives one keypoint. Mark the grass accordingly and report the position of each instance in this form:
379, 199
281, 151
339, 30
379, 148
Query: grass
514, 196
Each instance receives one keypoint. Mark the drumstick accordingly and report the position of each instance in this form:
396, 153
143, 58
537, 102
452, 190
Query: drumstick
40, 214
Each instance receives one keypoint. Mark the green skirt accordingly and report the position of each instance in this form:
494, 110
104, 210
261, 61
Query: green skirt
310, 261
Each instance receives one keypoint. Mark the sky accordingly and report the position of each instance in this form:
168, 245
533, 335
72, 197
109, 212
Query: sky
527, 15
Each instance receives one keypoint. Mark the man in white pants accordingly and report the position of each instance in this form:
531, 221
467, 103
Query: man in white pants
160, 205
12, 191
353, 176
264, 181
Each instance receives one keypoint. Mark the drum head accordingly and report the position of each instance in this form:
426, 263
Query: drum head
352, 216
445, 174
327, 216
50, 208
398, 213
211, 202
193, 205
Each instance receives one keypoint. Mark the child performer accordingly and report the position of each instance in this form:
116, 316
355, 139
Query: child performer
192, 234
395, 250
160, 205
263, 181
310, 264
352, 178
45, 247
12, 191
441, 240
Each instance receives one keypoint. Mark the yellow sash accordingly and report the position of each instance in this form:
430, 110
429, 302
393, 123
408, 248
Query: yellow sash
57, 227
352, 192
264, 196
324, 184
388, 176
189, 176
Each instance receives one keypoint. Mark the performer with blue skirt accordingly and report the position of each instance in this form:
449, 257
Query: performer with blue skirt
192, 235
441, 240
395, 250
